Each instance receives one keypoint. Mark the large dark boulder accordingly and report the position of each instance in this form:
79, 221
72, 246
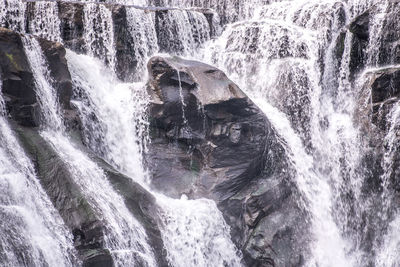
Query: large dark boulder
210, 140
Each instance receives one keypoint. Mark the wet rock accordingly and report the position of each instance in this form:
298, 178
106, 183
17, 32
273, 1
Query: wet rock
67, 197
72, 25
57, 64
210, 140
384, 88
358, 55
385, 44
143, 206
389, 44
17, 77
18, 82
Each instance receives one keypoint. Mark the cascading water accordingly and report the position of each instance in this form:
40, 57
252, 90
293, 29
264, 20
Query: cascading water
99, 33
288, 40
125, 237
12, 14
45, 21
191, 236
32, 232
291, 57
144, 38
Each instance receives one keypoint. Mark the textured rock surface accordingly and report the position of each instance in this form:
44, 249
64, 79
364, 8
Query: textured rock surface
85, 224
386, 48
210, 140
18, 82
55, 177
17, 77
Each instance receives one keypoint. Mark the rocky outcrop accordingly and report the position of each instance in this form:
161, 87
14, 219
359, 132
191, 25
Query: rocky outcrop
187, 29
360, 29
384, 42
210, 140
16, 75
18, 81
85, 224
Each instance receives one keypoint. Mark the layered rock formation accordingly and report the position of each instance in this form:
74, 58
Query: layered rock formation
126, 35
210, 140
84, 222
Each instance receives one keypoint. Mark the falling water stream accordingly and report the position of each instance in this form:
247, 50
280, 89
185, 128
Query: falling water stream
125, 236
282, 54
32, 231
191, 236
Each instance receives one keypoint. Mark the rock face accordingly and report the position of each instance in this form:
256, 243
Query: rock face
17, 79
382, 93
127, 28
210, 140
360, 29
18, 82
55, 177
86, 225
384, 45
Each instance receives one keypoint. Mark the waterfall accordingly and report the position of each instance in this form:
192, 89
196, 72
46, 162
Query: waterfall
191, 236
47, 101
125, 236
99, 33
293, 58
308, 108
32, 231
12, 14
45, 21
144, 38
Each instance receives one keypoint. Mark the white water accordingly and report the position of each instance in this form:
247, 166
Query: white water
273, 53
183, 31
32, 232
144, 39
274, 57
124, 237
12, 14
193, 231
45, 22
50, 109
99, 33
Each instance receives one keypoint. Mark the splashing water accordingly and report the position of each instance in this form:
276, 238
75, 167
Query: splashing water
32, 231
125, 237
99, 33
48, 103
191, 236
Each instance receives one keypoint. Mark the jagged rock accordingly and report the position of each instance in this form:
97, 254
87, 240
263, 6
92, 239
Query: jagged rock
386, 45
18, 82
360, 29
383, 90
389, 50
210, 140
